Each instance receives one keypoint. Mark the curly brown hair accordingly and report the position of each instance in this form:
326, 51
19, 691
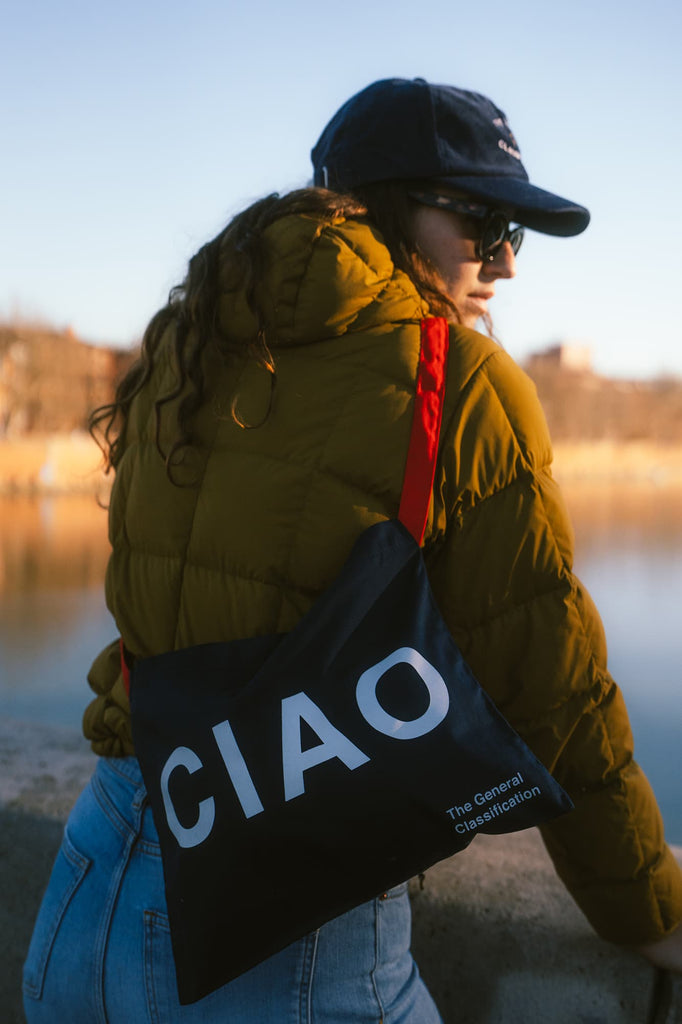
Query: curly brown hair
234, 259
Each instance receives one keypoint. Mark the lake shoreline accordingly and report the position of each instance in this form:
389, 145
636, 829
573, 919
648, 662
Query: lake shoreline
47, 464
71, 463
609, 463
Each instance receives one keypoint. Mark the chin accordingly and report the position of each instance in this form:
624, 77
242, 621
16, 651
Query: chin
471, 321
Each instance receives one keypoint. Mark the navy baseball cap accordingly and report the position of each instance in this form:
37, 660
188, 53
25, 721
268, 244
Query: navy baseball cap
409, 130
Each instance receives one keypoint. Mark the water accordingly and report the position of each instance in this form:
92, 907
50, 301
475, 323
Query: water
629, 555
53, 620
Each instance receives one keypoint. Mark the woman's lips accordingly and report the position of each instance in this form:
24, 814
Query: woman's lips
480, 300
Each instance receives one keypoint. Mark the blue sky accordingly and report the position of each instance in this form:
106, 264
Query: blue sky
132, 131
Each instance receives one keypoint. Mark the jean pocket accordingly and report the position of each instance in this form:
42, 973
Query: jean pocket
67, 874
159, 969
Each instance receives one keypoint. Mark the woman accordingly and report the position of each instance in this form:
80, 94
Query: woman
264, 429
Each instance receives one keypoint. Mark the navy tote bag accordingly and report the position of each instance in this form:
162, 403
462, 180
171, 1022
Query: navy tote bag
293, 777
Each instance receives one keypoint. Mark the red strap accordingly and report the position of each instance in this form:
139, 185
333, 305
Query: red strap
125, 671
420, 467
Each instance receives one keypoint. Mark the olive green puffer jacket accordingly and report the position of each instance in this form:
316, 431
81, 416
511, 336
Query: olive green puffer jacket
268, 515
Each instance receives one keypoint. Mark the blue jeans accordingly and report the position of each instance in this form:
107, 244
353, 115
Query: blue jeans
101, 954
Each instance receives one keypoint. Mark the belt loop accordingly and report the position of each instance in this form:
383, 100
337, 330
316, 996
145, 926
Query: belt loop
139, 803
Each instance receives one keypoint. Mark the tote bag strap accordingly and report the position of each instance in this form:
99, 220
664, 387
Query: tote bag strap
420, 467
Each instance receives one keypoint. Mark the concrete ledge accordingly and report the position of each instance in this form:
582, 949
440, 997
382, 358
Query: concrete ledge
499, 941
497, 938
42, 771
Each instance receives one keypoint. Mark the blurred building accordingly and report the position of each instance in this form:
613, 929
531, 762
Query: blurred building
570, 356
50, 380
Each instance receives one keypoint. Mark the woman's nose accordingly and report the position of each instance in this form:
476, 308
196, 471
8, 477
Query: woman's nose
503, 264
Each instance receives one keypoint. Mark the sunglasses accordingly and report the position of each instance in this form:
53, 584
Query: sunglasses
494, 230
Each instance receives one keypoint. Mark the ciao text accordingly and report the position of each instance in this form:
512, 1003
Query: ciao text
295, 709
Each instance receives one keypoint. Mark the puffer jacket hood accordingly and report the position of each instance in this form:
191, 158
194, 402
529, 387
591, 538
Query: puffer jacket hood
321, 280
268, 516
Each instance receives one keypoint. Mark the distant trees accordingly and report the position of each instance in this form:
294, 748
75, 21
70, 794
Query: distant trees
50, 381
581, 406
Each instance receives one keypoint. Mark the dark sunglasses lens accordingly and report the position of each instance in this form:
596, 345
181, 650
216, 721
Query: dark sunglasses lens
495, 233
492, 235
515, 238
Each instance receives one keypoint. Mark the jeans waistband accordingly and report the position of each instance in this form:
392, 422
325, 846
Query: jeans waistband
128, 767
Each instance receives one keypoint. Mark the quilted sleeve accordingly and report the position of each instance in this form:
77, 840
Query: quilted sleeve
499, 554
106, 721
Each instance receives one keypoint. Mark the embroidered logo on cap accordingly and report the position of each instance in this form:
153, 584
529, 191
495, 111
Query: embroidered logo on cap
512, 149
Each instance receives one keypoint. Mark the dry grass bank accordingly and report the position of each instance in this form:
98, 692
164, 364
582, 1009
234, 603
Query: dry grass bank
51, 464
619, 462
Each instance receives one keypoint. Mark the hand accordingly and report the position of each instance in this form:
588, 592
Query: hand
666, 953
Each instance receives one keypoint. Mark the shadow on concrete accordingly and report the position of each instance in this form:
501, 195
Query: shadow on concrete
28, 846
479, 969
509, 946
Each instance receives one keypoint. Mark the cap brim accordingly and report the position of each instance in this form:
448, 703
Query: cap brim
533, 207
